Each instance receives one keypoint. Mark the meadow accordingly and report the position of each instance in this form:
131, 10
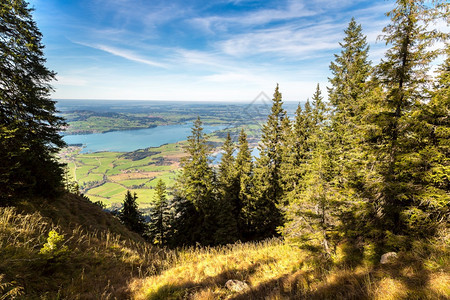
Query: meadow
102, 260
106, 176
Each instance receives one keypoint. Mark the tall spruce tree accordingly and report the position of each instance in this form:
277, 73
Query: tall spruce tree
268, 191
296, 166
228, 206
244, 176
403, 76
348, 95
197, 186
159, 230
350, 70
311, 213
29, 126
433, 130
197, 176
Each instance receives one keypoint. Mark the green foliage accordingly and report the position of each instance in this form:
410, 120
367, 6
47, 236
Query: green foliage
197, 176
268, 190
130, 216
54, 248
196, 187
228, 206
312, 206
29, 126
244, 177
399, 138
160, 216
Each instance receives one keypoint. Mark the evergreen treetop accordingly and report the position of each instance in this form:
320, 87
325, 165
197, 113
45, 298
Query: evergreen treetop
29, 127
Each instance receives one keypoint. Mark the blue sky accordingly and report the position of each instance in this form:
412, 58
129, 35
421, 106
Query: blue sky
228, 50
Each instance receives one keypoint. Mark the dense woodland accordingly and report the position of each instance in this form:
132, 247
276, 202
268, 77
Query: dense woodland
369, 168
371, 164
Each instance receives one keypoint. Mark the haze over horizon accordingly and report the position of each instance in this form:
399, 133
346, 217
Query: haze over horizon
228, 50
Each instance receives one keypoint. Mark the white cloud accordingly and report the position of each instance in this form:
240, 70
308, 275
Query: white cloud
127, 54
292, 10
282, 41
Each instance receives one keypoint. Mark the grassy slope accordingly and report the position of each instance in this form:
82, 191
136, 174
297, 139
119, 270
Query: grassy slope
276, 270
105, 261
102, 257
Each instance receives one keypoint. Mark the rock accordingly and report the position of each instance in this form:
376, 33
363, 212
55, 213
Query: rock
236, 285
388, 258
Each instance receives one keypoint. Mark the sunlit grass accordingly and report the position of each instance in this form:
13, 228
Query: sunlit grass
276, 270
101, 264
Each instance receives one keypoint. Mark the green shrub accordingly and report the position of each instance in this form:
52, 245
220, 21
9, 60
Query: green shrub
54, 248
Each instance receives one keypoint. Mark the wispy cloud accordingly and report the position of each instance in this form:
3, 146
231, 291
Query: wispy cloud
292, 10
282, 41
126, 54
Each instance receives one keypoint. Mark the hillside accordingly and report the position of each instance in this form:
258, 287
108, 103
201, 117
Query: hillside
98, 258
95, 258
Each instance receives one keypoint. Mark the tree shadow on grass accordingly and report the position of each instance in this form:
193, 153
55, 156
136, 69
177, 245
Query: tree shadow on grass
183, 290
409, 281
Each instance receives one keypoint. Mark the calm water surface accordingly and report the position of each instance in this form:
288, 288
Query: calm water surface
130, 140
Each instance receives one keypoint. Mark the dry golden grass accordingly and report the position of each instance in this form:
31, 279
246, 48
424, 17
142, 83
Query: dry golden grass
105, 261
202, 273
98, 264
276, 270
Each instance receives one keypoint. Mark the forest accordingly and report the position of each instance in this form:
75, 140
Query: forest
334, 188
371, 164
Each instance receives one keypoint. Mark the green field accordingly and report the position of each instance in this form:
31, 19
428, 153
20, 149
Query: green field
106, 176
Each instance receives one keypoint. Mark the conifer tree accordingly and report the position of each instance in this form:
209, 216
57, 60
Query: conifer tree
348, 96
351, 70
197, 177
244, 177
433, 130
403, 76
130, 216
160, 216
268, 190
311, 212
196, 185
228, 205
29, 126
295, 165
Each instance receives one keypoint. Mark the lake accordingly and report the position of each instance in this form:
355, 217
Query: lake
130, 140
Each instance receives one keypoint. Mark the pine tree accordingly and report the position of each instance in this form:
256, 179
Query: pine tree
160, 216
29, 126
348, 96
311, 213
197, 178
296, 165
197, 184
350, 70
228, 206
244, 177
268, 190
395, 144
130, 216
433, 130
